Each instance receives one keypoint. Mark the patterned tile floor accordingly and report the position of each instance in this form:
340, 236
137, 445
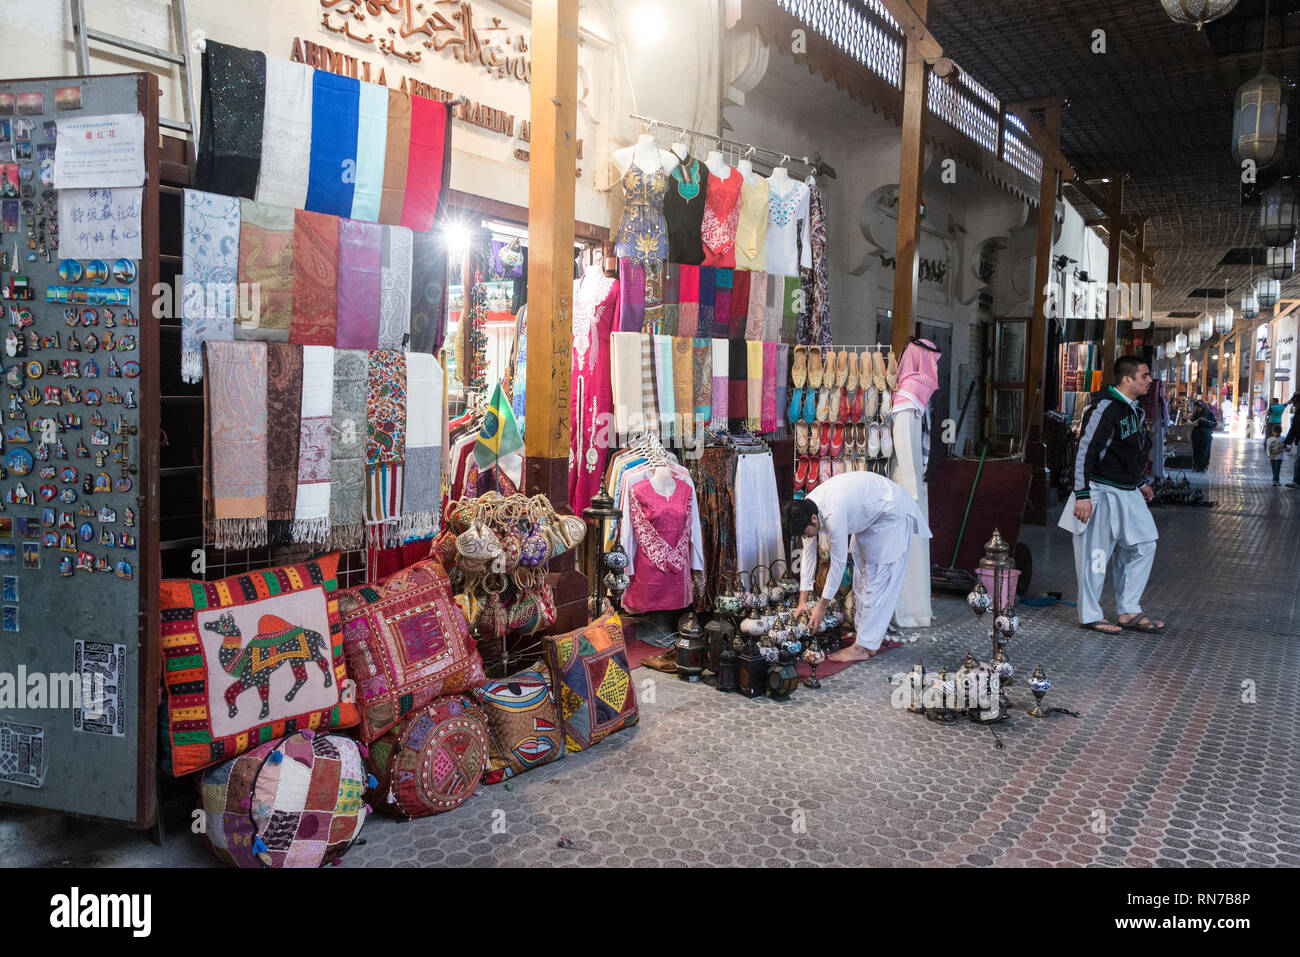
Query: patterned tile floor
1172, 763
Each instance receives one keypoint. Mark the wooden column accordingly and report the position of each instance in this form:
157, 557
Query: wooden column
907, 260
1115, 240
552, 178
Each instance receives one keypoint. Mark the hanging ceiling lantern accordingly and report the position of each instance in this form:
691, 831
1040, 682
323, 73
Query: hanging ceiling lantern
1268, 292
1224, 319
1259, 120
1180, 342
1281, 261
1277, 214
1198, 12
1249, 304
1206, 326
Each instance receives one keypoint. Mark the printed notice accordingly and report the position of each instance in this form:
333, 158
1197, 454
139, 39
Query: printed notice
100, 151
22, 754
99, 668
99, 223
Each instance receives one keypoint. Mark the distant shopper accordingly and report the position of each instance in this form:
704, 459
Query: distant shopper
1203, 424
1273, 417
1275, 453
1108, 513
1292, 440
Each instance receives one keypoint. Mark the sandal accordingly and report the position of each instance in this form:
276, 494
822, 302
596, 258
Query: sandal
851, 383
799, 373
891, 371
815, 370
1145, 624
1097, 627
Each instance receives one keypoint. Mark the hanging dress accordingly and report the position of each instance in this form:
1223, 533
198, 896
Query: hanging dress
662, 529
721, 218
684, 204
591, 397
751, 226
787, 227
642, 231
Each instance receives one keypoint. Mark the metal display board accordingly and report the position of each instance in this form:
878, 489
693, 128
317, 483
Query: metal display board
78, 493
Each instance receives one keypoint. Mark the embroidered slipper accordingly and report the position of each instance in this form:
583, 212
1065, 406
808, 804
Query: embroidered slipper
792, 413
841, 368
799, 372
801, 437
837, 396
809, 405
886, 442
878, 371
871, 403
1097, 627
886, 402
814, 367
851, 383
891, 371
1145, 624
823, 404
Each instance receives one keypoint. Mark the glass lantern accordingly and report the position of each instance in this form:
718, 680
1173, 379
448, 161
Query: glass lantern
1249, 304
1281, 261
1259, 120
1206, 327
1197, 12
1180, 343
1277, 214
1224, 319
1268, 292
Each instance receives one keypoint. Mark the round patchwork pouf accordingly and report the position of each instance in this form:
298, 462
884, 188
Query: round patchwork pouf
296, 802
433, 760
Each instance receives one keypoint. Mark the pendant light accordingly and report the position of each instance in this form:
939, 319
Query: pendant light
1268, 292
1180, 343
1198, 12
1249, 304
1277, 214
1259, 116
1281, 261
1224, 318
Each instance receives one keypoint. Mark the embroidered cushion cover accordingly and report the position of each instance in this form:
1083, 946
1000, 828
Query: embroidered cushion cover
296, 802
432, 761
406, 644
249, 659
592, 682
523, 721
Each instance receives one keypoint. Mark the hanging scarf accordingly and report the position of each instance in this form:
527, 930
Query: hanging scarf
702, 369
372, 144
782, 380
793, 295
664, 387
286, 134
768, 421
684, 387
397, 151
754, 386
266, 266
821, 285
361, 251
395, 287
385, 443
688, 314
723, 280
311, 513
232, 102
650, 407
210, 265
775, 305
315, 279
737, 384
348, 449
335, 103
757, 320
519, 384
631, 296
671, 305
422, 495
283, 405
740, 280
427, 163
719, 394
707, 283
625, 369
428, 292
235, 393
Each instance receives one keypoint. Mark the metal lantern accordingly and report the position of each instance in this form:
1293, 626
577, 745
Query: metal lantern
1277, 214
728, 671
1268, 292
1259, 120
1249, 304
718, 634
1180, 343
751, 669
1197, 12
1206, 326
1281, 261
690, 648
1223, 320
783, 679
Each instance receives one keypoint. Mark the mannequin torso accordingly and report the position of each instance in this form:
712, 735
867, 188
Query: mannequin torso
662, 481
717, 165
645, 154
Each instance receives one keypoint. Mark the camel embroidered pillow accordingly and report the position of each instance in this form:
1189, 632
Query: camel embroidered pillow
251, 658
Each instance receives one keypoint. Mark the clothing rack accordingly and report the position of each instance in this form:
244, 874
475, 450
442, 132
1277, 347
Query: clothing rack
733, 146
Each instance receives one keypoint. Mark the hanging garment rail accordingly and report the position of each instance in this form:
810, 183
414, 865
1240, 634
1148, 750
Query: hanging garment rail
734, 146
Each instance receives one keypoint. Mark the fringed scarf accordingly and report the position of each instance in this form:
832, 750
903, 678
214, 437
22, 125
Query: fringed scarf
708, 279
775, 297
794, 303
671, 306
740, 281
665, 393
385, 444
210, 266
684, 387
427, 163
395, 288
768, 419
361, 255
283, 406
723, 280
631, 296
428, 292
286, 134
688, 292
720, 388
652, 421
266, 267
335, 105
756, 322
625, 376
315, 279
311, 514
702, 369
397, 151
235, 391
348, 449
754, 386
737, 384
232, 102
423, 473
372, 136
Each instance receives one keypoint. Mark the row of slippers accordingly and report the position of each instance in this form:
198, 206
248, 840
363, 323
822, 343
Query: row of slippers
812, 471
838, 404
839, 440
817, 366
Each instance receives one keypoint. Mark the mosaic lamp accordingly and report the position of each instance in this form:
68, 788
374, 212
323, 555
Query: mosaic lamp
1198, 12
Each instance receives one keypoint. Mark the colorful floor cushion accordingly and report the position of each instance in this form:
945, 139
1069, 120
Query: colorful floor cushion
592, 682
406, 643
432, 761
296, 802
524, 722
251, 658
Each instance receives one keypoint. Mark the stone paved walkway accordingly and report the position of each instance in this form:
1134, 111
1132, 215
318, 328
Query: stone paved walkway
1168, 765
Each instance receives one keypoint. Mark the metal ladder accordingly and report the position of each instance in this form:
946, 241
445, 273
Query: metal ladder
82, 34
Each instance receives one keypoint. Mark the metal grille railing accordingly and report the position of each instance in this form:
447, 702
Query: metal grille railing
1017, 151
846, 24
964, 112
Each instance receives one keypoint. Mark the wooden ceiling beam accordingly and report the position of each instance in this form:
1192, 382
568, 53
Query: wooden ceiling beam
915, 29
1051, 153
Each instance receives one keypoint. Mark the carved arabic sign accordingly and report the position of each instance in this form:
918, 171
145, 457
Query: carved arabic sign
441, 26
928, 270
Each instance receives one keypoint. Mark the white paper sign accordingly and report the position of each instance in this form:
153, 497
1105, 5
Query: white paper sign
99, 223
100, 151
99, 668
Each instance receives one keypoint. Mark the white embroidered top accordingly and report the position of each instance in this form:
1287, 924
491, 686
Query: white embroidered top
787, 225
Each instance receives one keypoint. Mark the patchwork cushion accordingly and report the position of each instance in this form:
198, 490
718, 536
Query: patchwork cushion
592, 682
524, 723
249, 659
406, 643
296, 802
432, 761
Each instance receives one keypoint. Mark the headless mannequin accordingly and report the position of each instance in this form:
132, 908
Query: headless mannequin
746, 169
682, 151
662, 481
717, 165
646, 154
780, 180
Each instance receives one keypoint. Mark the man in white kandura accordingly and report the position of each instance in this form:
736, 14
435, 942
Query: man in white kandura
877, 519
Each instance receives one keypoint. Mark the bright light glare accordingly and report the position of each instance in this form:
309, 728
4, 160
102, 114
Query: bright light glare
456, 236
647, 23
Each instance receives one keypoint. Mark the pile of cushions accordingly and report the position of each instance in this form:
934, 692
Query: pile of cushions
256, 665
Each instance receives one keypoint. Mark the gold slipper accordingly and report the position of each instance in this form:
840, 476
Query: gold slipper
891, 372
814, 367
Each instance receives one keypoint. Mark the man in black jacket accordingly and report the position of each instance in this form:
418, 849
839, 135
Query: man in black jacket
1292, 440
1108, 513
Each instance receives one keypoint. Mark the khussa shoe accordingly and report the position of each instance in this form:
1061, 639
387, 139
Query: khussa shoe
809, 404
824, 447
878, 371
855, 410
796, 406
871, 403
841, 368
837, 396
801, 472
886, 442
799, 371
823, 404
837, 441
851, 383
886, 402
873, 441
839, 468
824, 471
814, 367
861, 439
801, 437
891, 372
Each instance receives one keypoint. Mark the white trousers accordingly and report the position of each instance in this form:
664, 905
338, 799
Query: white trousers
758, 514
876, 588
908, 470
1121, 526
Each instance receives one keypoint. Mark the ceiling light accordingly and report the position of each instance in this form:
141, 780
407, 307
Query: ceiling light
1198, 12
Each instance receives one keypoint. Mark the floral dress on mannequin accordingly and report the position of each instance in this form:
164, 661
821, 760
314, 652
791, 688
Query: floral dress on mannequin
721, 218
595, 308
643, 230
663, 540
